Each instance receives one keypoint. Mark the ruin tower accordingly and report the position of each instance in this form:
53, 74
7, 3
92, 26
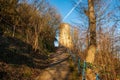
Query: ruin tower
65, 38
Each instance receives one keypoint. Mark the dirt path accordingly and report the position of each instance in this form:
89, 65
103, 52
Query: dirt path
58, 70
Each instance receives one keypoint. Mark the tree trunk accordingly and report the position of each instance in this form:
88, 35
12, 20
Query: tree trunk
13, 31
92, 46
36, 37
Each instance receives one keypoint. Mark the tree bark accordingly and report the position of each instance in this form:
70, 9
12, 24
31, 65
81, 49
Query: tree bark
92, 46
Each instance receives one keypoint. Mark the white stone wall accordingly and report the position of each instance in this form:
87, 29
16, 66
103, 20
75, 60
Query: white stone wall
64, 36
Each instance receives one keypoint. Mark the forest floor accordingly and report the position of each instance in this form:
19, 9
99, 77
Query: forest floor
18, 61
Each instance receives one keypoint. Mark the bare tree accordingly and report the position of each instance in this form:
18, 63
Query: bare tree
99, 15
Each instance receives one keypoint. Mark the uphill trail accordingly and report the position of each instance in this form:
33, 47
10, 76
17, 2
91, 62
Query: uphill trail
58, 69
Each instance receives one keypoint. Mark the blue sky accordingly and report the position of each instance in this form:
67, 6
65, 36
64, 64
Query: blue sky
63, 7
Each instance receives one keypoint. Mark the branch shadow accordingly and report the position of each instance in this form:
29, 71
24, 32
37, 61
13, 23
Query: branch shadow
16, 51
